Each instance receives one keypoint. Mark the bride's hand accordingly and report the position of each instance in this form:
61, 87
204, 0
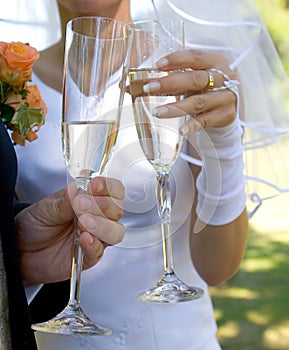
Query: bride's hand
203, 73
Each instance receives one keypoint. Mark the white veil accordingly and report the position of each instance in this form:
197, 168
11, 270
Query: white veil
236, 28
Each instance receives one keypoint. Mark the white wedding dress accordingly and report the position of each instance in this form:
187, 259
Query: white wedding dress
108, 293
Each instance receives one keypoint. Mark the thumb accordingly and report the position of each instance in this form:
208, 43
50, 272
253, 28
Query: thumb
57, 208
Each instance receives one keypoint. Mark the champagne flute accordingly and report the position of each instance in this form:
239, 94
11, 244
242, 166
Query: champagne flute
95, 69
160, 141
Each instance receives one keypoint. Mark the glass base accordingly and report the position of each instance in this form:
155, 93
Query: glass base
170, 289
71, 320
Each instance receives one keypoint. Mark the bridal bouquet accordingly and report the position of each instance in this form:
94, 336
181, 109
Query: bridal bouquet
21, 107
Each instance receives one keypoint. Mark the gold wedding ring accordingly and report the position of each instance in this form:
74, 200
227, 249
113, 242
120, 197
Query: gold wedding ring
211, 82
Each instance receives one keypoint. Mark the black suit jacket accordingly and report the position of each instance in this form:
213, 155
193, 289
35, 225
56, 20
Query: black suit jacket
52, 298
22, 337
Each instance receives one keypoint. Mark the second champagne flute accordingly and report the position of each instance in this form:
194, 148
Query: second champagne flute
160, 140
95, 69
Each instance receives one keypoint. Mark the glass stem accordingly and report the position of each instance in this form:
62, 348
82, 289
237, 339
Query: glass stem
76, 270
164, 208
77, 258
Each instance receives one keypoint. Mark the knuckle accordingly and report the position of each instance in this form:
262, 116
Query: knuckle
196, 80
199, 104
101, 205
111, 208
106, 207
201, 122
196, 55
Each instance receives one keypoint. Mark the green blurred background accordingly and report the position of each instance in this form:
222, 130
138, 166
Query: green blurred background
276, 17
252, 309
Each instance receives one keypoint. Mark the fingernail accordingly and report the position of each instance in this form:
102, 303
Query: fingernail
162, 62
184, 130
84, 203
160, 111
151, 87
90, 241
99, 186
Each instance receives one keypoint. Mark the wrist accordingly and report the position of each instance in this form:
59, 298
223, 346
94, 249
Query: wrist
221, 182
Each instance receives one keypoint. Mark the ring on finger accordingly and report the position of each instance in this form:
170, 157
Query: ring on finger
211, 82
229, 84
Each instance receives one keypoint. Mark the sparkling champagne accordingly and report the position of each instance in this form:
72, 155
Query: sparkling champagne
87, 146
159, 137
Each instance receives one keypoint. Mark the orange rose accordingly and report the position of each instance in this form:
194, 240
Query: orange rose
34, 98
16, 60
19, 55
27, 109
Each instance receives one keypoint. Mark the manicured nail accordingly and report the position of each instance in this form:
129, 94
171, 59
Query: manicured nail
151, 87
184, 130
160, 111
162, 62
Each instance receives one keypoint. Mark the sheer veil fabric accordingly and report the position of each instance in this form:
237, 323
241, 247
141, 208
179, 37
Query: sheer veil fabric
235, 28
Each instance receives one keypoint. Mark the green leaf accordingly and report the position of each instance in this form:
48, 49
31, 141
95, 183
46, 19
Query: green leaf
6, 113
26, 118
4, 89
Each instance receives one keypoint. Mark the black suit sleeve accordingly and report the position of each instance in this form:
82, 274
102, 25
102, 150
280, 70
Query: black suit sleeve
49, 301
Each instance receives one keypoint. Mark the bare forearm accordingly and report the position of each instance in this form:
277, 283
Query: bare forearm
220, 224
217, 251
